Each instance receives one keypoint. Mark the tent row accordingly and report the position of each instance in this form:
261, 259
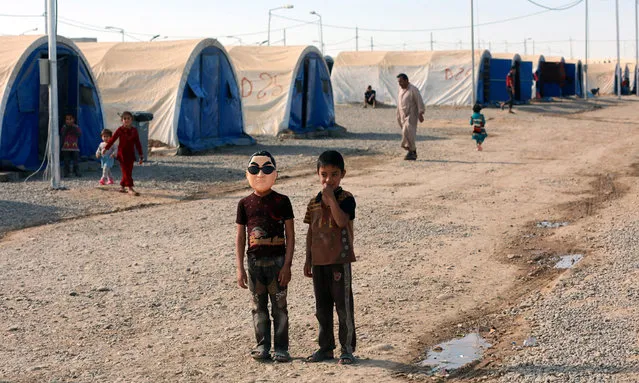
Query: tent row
200, 94
445, 77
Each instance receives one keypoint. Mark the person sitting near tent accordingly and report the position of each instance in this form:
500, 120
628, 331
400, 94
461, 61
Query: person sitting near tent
369, 97
70, 136
625, 86
510, 87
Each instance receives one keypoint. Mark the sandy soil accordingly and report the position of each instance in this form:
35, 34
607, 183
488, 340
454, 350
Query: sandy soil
445, 244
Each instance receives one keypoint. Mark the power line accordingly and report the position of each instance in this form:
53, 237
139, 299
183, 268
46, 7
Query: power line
561, 8
421, 30
7, 15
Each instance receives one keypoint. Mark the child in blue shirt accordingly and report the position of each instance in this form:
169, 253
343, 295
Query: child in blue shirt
478, 122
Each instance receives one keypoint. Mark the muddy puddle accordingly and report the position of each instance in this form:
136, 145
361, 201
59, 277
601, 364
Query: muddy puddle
454, 354
551, 225
568, 261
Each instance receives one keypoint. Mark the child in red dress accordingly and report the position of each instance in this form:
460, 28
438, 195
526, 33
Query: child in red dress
129, 142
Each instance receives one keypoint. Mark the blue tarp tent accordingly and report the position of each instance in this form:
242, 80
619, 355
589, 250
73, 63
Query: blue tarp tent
24, 105
190, 86
494, 75
284, 89
574, 77
551, 76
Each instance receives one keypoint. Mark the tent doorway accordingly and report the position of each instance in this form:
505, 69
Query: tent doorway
67, 99
306, 106
517, 80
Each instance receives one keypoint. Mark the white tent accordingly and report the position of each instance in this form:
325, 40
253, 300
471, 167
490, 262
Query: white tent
189, 86
602, 76
443, 77
284, 88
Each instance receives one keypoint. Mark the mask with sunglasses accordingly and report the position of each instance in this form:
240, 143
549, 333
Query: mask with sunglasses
261, 174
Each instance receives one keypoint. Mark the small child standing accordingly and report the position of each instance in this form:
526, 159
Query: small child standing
129, 142
267, 217
478, 122
106, 159
70, 136
329, 254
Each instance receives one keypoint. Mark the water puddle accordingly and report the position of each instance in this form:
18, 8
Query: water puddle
568, 261
551, 225
455, 353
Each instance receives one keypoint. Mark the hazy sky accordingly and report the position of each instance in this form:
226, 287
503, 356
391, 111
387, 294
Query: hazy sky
248, 20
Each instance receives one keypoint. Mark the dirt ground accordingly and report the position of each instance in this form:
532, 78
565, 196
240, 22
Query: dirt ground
445, 245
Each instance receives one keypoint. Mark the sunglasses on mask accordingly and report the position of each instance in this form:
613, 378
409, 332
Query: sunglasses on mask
266, 169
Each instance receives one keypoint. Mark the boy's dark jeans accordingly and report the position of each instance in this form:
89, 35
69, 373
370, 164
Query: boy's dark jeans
69, 156
332, 285
263, 284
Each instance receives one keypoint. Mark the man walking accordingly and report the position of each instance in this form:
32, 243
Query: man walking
410, 109
510, 87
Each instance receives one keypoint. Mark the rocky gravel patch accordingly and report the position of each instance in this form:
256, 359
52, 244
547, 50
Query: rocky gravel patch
586, 328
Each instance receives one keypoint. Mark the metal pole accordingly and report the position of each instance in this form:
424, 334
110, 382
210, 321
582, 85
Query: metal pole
54, 137
46, 28
371, 43
321, 34
123, 35
618, 54
268, 36
284, 30
570, 47
585, 69
525, 47
356, 39
472, 46
431, 39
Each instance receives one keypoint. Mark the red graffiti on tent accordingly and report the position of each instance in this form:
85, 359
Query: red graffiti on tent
449, 74
272, 83
242, 83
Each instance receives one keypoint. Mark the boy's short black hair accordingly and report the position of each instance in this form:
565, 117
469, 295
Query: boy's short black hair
69, 114
476, 108
402, 76
106, 132
331, 157
265, 154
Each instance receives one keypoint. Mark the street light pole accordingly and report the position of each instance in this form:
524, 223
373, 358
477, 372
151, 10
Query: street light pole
472, 46
321, 30
618, 54
116, 29
586, 65
235, 37
27, 31
287, 6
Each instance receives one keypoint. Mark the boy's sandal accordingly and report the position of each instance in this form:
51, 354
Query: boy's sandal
319, 356
122, 191
260, 354
136, 194
281, 356
346, 359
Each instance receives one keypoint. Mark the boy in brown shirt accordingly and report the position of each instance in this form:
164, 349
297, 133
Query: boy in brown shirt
329, 253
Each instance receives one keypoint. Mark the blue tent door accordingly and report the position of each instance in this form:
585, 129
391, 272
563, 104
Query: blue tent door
525, 81
498, 70
210, 107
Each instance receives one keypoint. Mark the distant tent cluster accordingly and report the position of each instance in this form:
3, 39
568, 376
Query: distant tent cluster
444, 77
201, 96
